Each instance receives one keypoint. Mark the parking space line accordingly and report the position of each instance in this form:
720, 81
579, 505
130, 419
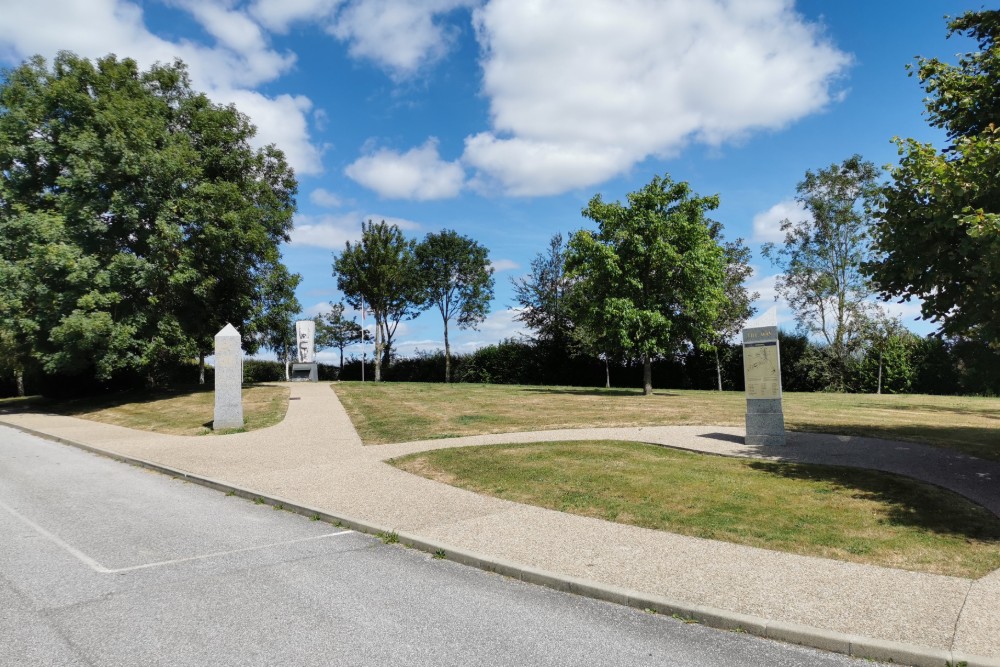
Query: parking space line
84, 558
97, 567
226, 553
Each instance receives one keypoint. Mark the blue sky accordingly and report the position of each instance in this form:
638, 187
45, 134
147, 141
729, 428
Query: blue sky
501, 118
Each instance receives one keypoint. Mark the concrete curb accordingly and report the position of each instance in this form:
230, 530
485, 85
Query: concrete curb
793, 633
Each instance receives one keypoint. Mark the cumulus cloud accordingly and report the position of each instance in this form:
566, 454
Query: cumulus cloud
325, 231
400, 36
333, 231
767, 224
278, 15
324, 198
581, 90
227, 72
419, 173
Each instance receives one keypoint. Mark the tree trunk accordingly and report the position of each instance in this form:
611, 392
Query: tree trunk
341, 360
288, 373
647, 376
19, 378
880, 371
718, 369
607, 374
378, 352
201, 368
447, 354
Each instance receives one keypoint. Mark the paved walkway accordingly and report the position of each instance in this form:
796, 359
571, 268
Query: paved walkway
315, 458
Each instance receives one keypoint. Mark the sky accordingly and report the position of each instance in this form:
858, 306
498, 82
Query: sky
500, 119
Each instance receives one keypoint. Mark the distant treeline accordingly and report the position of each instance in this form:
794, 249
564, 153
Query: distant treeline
915, 365
911, 365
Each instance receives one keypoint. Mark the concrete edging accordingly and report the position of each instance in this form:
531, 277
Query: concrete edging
793, 633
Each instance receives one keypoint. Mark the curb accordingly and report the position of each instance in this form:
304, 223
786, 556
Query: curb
793, 633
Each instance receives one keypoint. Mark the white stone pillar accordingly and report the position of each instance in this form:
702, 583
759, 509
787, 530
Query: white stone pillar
228, 379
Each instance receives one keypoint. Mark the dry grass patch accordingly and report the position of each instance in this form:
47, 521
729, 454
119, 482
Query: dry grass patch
400, 412
843, 513
187, 412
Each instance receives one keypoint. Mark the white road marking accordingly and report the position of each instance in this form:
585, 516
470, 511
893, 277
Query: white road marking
97, 567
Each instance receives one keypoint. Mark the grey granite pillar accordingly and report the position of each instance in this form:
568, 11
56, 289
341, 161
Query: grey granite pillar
228, 379
765, 421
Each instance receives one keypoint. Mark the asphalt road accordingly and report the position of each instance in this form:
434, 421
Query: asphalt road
102, 563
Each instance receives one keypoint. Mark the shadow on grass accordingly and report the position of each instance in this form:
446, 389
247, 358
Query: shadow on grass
909, 503
595, 391
985, 412
77, 406
979, 441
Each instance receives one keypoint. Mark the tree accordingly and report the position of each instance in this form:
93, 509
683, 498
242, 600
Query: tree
135, 218
455, 276
336, 331
822, 255
737, 306
938, 235
653, 271
888, 352
380, 271
543, 296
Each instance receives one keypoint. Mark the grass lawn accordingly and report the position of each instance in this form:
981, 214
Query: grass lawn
182, 412
400, 412
831, 512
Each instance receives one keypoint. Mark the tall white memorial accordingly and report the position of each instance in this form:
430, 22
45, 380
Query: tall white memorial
305, 368
228, 379
765, 421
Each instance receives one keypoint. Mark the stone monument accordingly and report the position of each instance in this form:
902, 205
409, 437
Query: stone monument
765, 421
305, 369
228, 379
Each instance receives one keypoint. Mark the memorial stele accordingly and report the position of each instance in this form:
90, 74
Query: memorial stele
228, 379
765, 421
305, 367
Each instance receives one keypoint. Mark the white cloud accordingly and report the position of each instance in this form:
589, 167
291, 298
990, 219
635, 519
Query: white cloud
400, 36
504, 265
404, 224
767, 224
325, 198
581, 90
419, 173
325, 231
278, 15
227, 72
333, 231
280, 121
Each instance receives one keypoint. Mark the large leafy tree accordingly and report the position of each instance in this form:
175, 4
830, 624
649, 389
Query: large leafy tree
380, 272
653, 270
822, 255
135, 218
455, 277
938, 237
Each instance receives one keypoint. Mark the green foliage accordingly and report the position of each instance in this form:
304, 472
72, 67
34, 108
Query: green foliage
336, 331
543, 296
822, 256
654, 272
260, 370
380, 272
938, 237
135, 219
508, 362
457, 278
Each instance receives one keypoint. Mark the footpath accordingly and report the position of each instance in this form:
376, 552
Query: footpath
314, 462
